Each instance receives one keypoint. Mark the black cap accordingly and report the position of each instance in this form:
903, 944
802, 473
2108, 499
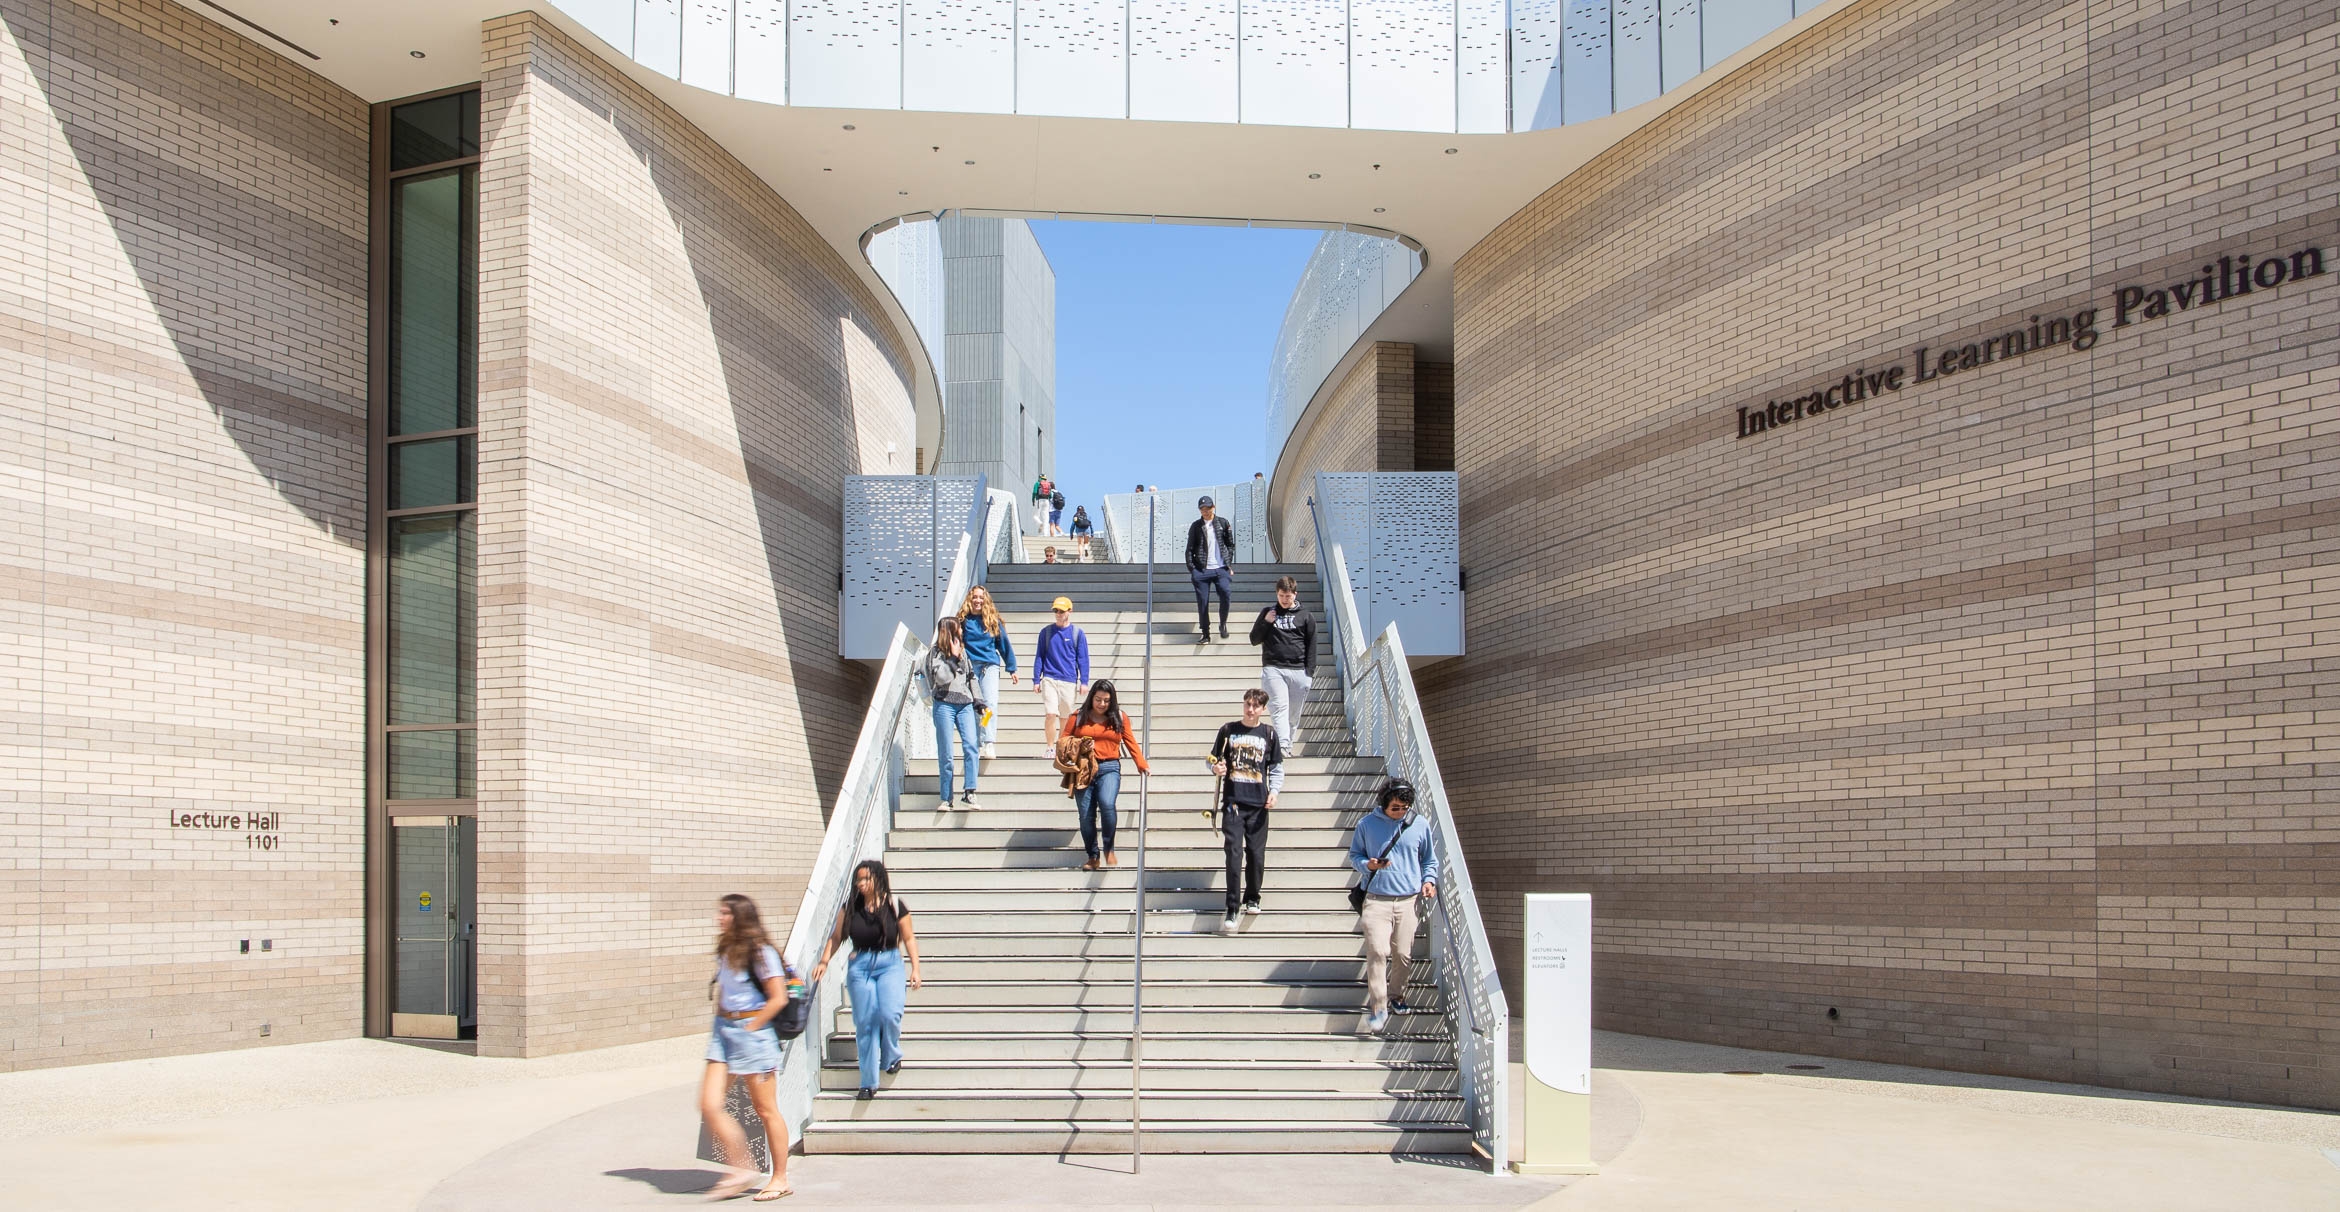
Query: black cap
1206, 503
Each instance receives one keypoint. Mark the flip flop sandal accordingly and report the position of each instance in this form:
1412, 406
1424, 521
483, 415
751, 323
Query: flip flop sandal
730, 1188
765, 1197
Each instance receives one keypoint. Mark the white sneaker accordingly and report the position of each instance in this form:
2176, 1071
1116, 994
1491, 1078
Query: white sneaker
967, 802
1373, 1023
989, 751
1251, 909
946, 806
1227, 924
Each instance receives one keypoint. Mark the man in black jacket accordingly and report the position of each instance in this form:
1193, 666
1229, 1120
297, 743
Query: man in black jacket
1210, 561
1287, 656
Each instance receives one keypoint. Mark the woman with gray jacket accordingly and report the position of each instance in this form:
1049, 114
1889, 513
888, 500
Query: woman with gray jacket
958, 704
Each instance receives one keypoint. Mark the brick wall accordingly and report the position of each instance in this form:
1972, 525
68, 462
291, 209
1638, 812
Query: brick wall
1365, 423
182, 509
1994, 713
676, 373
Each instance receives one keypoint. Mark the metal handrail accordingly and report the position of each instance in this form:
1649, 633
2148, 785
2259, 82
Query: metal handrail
1385, 716
858, 825
864, 816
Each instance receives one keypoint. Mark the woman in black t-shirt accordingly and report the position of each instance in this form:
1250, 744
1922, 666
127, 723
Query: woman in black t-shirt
879, 927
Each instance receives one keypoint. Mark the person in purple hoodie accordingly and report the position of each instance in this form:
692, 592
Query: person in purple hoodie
1061, 672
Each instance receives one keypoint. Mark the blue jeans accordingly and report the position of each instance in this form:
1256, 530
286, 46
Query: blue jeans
877, 983
1096, 800
1204, 581
986, 676
950, 718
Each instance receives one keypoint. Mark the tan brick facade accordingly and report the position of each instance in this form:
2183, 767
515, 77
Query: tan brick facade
182, 531
1993, 714
1365, 423
673, 382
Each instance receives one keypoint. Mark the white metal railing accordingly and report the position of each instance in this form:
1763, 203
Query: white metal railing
1377, 694
1004, 542
858, 825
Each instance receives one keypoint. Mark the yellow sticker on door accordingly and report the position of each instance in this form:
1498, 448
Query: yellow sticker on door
423, 902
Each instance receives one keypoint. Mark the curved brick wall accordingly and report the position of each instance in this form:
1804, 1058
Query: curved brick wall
1991, 711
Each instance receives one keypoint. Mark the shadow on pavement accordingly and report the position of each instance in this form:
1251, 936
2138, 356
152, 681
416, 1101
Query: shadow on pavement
671, 1182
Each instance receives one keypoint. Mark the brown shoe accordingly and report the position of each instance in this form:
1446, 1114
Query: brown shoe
1091, 865
1112, 859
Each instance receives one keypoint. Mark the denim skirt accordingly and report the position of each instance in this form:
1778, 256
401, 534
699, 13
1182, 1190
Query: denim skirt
742, 1050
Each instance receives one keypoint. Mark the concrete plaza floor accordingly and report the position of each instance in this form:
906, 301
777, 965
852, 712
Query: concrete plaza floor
370, 1125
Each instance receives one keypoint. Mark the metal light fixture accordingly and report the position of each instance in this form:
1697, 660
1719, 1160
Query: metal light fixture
1450, 151
1316, 176
849, 126
416, 54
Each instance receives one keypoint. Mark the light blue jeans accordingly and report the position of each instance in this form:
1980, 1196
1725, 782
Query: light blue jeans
987, 676
877, 983
952, 718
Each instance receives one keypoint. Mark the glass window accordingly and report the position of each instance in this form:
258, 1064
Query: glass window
427, 132
432, 765
436, 472
431, 616
430, 303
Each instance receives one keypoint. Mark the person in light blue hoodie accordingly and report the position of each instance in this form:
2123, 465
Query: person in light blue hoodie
989, 648
1396, 864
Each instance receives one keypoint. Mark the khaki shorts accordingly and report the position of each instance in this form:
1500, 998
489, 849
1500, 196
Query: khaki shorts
1059, 697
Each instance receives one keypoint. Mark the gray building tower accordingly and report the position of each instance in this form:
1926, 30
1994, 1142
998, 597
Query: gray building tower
998, 362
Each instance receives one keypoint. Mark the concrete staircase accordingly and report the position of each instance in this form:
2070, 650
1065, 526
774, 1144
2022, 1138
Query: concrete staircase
1068, 548
1019, 1041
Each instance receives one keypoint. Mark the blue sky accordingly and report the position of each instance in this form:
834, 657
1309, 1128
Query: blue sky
1162, 341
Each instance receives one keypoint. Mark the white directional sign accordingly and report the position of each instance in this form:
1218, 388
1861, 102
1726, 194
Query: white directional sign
1559, 990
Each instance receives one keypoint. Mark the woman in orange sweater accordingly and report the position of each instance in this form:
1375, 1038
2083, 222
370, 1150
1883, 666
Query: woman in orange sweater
1100, 720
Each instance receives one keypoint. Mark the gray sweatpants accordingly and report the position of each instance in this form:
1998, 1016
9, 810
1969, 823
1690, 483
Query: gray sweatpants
1287, 691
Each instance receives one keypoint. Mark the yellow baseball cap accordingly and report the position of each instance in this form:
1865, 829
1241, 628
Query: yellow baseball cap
1061, 604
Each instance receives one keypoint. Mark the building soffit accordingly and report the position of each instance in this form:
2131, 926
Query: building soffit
849, 171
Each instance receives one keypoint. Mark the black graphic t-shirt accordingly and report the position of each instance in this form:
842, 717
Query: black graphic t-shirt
1255, 762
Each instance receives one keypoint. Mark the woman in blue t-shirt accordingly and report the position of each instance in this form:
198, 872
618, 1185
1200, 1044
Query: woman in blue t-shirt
750, 987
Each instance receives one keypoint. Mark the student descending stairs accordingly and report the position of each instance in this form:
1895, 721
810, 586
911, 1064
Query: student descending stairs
1019, 1040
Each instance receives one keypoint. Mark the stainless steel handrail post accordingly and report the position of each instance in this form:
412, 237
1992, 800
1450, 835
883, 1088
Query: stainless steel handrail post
1137, 966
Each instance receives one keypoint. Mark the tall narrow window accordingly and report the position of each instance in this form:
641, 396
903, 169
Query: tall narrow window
425, 606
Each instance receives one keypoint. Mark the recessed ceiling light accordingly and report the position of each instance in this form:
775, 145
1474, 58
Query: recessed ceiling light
903, 192
849, 126
1450, 151
416, 54
970, 161
1316, 176
1380, 210
828, 170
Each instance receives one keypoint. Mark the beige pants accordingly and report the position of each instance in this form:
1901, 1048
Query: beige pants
1389, 948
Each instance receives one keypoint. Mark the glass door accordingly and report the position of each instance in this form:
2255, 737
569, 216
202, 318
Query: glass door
431, 965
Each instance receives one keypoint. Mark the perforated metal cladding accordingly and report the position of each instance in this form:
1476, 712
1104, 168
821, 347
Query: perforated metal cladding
1470, 66
1349, 280
1069, 58
1243, 505
901, 538
889, 560
1398, 538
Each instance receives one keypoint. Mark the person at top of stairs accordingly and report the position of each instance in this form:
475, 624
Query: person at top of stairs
950, 678
1210, 564
1082, 528
1056, 514
1060, 669
990, 649
1248, 757
1100, 720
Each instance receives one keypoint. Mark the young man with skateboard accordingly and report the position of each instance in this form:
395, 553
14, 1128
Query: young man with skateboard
1248, 757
